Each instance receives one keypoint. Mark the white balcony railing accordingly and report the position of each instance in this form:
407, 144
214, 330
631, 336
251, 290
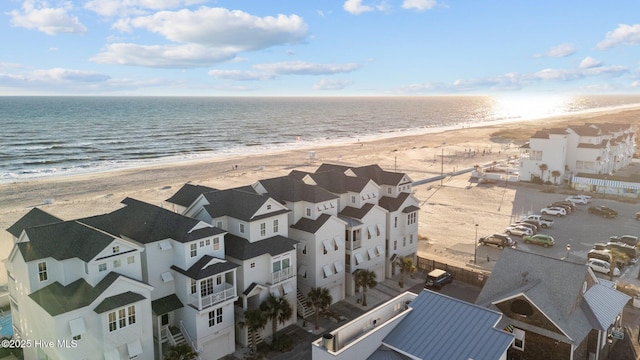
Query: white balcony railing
281, 275
205, 301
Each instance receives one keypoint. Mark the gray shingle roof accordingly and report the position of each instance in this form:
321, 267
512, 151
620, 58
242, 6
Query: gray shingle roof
188, 193
241, 248
148, 223
200, 270
356, 213
536, 277
378, 175
35, 217
116, 301
58, 299
287, 188
235, 203
310, 225
585, 130
335, 181
166, 304
392, 204
64, 240
441, 327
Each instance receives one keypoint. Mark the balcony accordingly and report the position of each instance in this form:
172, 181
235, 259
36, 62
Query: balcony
354, 245
225, 291
281, 275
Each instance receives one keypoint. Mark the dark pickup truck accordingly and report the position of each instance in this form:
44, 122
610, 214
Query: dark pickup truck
603, 211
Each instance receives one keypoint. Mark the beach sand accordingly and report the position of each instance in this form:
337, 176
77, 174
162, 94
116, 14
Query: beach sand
455, 205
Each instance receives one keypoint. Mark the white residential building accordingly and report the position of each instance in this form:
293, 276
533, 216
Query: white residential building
588, 149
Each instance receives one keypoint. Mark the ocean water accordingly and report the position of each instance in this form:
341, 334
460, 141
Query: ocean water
58, 136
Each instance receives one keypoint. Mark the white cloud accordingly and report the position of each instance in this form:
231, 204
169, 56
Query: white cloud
331, 84
622, 35
355, 7
135, 7
589, 62
156, 56
219, 27
38, 15
419, 5
562, 50
68, 75
240, 75
306, 68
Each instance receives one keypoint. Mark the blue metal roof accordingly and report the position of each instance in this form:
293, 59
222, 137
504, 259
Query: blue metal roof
441, 327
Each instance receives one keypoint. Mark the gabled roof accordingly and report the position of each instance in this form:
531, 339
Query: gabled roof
64, 240
119, 300
58, 299
585, 130
35, 217
240, 248
378, 175
205, 267
148, 223
336, 182
356, 213
166, 304
441, 327
310, 225
605, 304
235, 203
518, 273
188, 193
392, 204
291, 189
544, 134
601, 145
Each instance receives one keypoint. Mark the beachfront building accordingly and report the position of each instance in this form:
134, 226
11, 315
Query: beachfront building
257, 240
588, 149
569, 316
194, 287
77, 292
424, 326
315, 224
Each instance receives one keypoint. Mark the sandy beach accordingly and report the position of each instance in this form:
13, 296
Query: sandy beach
420, 156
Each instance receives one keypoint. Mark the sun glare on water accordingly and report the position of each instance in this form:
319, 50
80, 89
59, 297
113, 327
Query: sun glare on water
529, 107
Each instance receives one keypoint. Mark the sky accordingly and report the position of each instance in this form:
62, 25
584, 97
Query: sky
319, 48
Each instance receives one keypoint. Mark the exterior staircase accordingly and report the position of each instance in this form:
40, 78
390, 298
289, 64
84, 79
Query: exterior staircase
258, 339
177, 337
303, 310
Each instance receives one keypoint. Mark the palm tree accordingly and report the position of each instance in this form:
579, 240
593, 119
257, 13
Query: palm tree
320, 299
254, 320
180, 352
365, 279
278, 310
406, 267
543, 168
555, 174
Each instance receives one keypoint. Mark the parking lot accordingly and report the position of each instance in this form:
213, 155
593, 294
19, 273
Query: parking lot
579, 229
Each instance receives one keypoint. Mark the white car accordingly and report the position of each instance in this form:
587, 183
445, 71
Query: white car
602, 266
518, 230
577, 199
557, 211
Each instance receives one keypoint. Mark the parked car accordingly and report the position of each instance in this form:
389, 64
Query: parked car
626, 239
518, 230
602, 266
568, 205
621, 260
535, 223
532, 227
629, 251
499, 240
539, 239
603, 211
542, 221
577, 199
438, 278
557, 211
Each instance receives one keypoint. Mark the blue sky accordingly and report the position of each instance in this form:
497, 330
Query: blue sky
319, 48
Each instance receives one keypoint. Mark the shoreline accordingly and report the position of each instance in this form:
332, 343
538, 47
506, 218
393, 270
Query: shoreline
419, 156
307, 145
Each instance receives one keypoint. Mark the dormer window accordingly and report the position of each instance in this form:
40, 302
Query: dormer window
43, 275
242, 228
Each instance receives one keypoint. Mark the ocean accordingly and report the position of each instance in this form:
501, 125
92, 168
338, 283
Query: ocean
59, 136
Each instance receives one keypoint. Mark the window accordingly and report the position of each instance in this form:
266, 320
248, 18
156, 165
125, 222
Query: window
253, 265
216, 243
395, 222
219, 315
201, 243
116, 249
207, 242
131, 259
404, 241
263, 229
218, 280
518, 343
86, 268
77, 337
122, 318
194, 249
242, 228
268, 206
304, 249
308, 212
219, 224
353, 199
117, 263
389, 190
215, 317
411, 239
206, 287
102, 267
411, 219
164, 319
275, 226
42, 271
395, 244
194, 286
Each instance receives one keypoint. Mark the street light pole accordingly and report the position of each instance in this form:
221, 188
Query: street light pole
568, 249
475, 247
